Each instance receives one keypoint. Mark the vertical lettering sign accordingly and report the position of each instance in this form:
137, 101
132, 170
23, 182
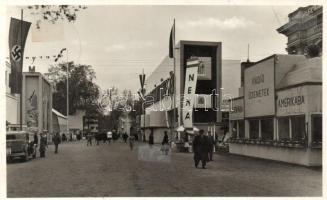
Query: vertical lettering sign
189, 91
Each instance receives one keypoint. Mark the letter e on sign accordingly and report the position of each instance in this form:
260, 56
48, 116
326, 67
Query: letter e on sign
189, 90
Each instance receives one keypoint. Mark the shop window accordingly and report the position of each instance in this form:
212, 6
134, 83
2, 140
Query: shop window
317, 128
234, 129
254, 129
267, 129
283, 128
241, 133
298, 127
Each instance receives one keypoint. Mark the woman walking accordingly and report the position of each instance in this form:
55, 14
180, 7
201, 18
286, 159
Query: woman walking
131, 141
151, 139
165, 143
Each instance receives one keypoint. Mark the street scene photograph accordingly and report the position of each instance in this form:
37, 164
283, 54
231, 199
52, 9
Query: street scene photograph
155, 100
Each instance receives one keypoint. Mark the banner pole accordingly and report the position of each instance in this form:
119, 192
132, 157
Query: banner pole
174, 113
21, 75
67, 100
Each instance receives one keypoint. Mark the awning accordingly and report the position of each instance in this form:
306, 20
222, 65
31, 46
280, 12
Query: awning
191, 131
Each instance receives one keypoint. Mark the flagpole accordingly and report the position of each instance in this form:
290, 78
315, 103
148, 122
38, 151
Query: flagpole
174, 113
67, 100
21, 73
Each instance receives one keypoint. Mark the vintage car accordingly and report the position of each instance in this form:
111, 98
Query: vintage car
20, 144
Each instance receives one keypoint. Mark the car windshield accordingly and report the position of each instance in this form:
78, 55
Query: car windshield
16, 136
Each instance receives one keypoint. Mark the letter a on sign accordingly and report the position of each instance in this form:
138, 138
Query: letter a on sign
189, 91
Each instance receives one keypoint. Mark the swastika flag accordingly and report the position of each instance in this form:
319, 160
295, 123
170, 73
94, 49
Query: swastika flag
17, 37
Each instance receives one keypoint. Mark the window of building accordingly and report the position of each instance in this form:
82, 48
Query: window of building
298, 127
254, 129
317, 128
283, 128
234, 129
241, 133
267, 129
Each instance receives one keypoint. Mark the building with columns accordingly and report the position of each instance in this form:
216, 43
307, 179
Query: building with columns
303, 30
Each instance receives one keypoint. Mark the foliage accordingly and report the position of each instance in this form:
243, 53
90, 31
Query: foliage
313, 51
53, 13
83, 92
119, 106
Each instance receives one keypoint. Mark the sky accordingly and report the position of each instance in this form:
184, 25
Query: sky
119, 41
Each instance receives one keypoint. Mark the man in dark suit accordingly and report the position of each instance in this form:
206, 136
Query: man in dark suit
200, 146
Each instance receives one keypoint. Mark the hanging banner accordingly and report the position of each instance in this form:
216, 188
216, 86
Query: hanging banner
189, 91
17, 37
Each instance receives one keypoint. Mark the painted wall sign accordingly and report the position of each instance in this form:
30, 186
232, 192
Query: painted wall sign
202, 101
299, 100
259, 89
204, 71
189, 92
237, 111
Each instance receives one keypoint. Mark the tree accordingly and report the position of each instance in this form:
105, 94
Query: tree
313, 51
118, 105
83, 92
53, 13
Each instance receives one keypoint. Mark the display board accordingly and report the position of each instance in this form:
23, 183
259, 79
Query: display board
259, 89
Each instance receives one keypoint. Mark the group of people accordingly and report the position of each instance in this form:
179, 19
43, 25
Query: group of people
203, 147
164, 143
110, 136
44, 142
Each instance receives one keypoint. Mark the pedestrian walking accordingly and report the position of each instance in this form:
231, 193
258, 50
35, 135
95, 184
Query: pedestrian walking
211, 142
131, 141
43, 145
200, 147
151, 138
109, 136
125, 136
165, 143
63, 137
89, 139
97, 138
56, 140
36, 139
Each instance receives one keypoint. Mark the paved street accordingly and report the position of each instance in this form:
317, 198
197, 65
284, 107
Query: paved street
113, 170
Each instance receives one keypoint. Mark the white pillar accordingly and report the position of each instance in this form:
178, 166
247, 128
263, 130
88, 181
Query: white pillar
308, 127
260, 136
237, 129
276, 129
247, 129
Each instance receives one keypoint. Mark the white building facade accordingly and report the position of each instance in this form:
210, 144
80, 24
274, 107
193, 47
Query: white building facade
280, 115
